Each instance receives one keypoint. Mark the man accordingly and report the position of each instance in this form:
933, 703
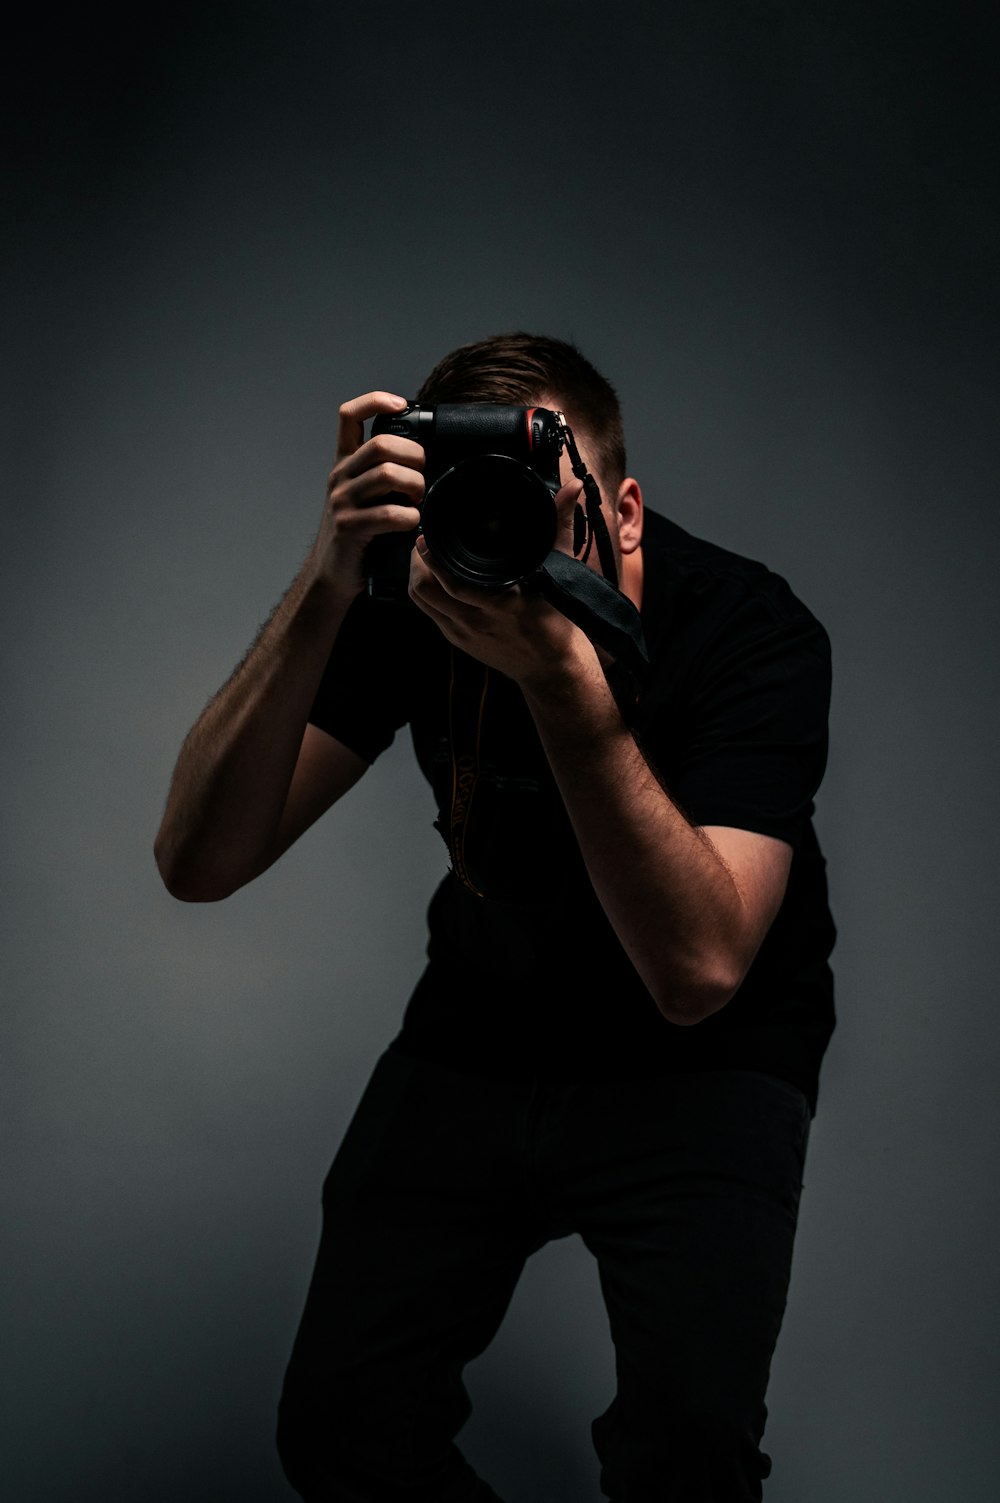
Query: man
627, 998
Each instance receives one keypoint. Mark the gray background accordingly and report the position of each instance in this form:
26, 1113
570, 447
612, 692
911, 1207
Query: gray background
772, 225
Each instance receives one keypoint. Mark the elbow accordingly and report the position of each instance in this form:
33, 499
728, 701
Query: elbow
193, 893
696, 998
185, 881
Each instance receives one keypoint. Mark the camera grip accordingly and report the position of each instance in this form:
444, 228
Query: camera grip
386, 563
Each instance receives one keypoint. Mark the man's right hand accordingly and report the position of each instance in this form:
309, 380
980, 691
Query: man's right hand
363, 476
252, 773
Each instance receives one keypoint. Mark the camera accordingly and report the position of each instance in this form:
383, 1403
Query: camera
491, 475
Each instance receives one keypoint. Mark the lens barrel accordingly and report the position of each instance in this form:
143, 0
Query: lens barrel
489, 520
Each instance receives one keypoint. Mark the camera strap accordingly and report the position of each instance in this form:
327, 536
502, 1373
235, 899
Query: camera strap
589, 524
597, 607
595, 604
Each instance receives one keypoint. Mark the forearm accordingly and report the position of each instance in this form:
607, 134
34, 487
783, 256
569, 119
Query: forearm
235, 766
666, 891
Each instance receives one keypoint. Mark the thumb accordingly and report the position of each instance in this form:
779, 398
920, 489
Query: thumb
567, 499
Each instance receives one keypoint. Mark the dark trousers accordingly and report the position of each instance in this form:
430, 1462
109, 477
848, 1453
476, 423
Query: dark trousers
685, 1189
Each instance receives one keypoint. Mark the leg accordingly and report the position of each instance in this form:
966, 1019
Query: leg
694, 1247
425, 1235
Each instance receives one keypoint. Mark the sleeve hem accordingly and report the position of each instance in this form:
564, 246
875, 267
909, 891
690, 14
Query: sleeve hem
366, 750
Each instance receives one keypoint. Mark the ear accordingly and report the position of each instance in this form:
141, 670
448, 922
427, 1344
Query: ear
629, 509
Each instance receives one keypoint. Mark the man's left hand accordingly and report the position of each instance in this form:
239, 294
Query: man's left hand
516, 631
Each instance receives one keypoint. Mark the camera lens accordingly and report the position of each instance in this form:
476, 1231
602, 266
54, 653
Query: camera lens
490, 520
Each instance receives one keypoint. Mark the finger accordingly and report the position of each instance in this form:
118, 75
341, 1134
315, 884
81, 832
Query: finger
442, 621
567, 499
383, 447
567, 496
351, 422
467, 595
367, 521
426, 591
383, 480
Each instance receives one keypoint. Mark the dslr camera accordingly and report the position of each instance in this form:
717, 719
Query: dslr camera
488, 513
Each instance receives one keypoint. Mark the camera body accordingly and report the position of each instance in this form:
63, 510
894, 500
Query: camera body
491, 476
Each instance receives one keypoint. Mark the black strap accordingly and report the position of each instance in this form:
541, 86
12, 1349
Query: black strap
589, 525
606, 615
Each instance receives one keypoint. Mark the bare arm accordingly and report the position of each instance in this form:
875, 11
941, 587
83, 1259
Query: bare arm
225, 810
251, 774
689, 906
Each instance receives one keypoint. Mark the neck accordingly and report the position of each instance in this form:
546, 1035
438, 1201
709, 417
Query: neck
630, 576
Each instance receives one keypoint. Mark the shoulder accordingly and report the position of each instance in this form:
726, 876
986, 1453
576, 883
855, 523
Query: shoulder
735, 708
697, 592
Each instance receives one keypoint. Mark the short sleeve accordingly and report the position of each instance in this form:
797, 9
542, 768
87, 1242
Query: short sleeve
363, 696
749, 746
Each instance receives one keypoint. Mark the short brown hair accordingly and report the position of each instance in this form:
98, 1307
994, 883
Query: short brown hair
518, 368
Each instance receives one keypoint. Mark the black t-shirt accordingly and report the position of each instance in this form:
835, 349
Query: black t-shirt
530, 979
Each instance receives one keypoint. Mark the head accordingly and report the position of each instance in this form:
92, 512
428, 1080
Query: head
534, 370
